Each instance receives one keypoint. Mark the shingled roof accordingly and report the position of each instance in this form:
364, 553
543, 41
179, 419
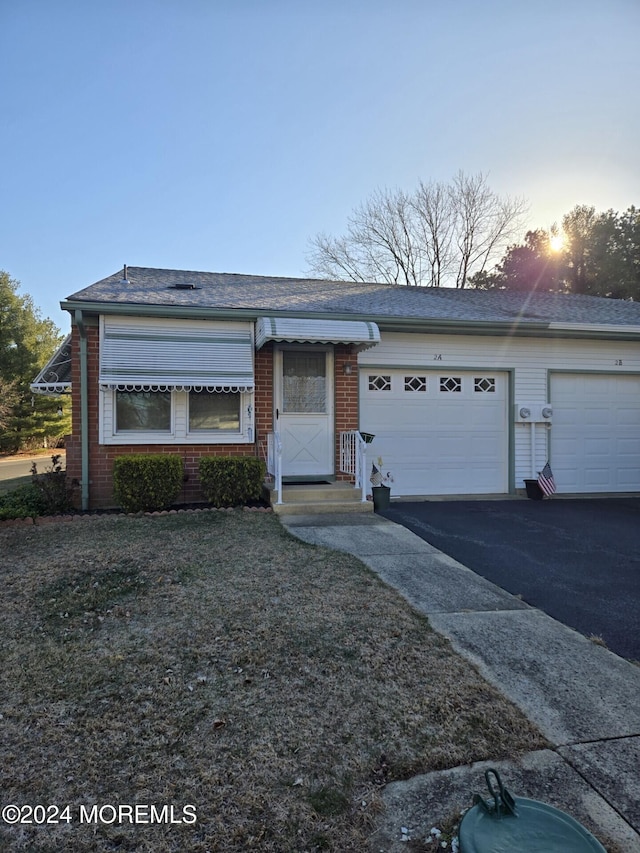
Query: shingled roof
256, 295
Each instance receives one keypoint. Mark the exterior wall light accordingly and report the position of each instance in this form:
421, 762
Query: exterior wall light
347, 368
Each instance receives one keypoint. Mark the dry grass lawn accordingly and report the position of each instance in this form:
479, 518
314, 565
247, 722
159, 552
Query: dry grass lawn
212, 660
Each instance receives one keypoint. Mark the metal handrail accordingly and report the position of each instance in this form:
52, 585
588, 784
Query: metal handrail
274, 462
353, 451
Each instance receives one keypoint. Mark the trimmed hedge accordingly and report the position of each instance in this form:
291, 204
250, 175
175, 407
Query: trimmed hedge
231, 480
147, 482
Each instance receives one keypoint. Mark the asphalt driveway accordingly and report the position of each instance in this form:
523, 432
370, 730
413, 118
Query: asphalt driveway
576, 560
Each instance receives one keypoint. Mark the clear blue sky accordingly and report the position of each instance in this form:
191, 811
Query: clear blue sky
221, 135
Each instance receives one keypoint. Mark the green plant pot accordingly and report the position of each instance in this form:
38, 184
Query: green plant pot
381, 497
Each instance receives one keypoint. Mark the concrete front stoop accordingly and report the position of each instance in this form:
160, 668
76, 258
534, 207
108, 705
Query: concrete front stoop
319, 498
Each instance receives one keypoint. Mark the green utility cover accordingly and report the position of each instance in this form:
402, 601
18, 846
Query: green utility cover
526, 826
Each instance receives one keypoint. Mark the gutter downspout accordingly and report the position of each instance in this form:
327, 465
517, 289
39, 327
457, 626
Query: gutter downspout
84, 411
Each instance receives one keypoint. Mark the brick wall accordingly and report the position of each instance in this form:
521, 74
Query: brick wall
346, 398
101, 457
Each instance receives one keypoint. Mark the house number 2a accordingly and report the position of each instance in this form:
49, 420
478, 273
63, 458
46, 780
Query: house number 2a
437, 356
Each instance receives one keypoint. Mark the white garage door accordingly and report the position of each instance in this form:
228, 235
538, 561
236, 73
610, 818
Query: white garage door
439, 433
595, 436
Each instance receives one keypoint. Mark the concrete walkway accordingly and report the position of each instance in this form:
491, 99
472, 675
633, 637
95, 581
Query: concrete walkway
582, 697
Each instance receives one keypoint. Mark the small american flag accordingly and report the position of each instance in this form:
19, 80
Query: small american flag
546, 481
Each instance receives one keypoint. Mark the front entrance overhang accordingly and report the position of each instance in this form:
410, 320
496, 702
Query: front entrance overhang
55, 376
361, 334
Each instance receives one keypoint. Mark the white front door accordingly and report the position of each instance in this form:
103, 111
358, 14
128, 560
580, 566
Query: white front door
304, 411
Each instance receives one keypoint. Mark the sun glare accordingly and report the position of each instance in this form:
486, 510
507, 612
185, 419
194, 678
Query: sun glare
556, 242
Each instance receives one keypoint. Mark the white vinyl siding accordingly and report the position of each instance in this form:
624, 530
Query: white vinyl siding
529, 360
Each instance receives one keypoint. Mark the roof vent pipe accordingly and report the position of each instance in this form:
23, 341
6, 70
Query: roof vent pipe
125, 280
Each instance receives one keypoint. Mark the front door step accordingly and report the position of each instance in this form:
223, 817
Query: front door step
321, 498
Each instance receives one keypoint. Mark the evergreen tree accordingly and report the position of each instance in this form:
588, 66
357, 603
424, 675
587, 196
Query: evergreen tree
532, 267
27, 342
599, 255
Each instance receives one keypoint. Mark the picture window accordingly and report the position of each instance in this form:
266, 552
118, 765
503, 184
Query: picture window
216, 411
143, 411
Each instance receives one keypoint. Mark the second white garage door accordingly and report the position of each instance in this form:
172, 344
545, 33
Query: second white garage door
595, 436
439, 433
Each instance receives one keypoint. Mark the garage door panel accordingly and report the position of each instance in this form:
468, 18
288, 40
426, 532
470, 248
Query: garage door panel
595, 436
486, 449
627, 386
597, 478
483, 416
451, 416
598, 416
628, 448
450, 447
564, 448
454, 481
438, 441
484, 480
595, 447
414, 422
629, 478
628, 416
565, 414
599, 391
412, 448
568, 477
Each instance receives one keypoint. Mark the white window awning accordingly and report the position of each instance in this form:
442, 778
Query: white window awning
55, 376
139, 354
361, 333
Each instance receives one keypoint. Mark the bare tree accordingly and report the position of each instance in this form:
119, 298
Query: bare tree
485, 223
439, 234
435, 221
380, 244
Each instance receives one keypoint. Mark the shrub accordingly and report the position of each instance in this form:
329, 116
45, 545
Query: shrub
147, 481
47, 494
231, 480
56, 495
23, 502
